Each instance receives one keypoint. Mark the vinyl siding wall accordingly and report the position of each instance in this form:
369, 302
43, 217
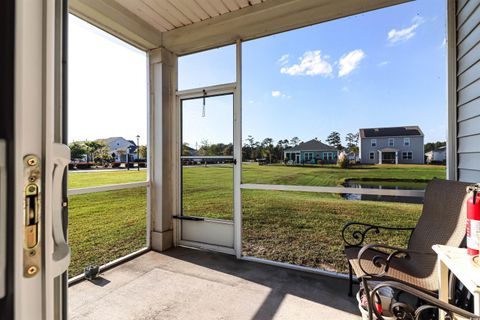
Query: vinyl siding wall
416, 147
468, 89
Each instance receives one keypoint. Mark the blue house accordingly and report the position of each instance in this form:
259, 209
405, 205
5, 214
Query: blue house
311, 152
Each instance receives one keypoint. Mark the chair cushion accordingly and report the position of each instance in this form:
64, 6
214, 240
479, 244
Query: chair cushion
419, 270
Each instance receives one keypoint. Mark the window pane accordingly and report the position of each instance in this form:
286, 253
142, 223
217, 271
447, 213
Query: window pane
207, 68
207, 188
208, 131
352, 85
107, 100
105, 226
306, 228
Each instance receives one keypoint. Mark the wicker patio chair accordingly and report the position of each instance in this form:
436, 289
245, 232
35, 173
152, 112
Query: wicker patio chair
442, 221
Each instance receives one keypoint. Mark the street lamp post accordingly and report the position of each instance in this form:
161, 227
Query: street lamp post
138, 152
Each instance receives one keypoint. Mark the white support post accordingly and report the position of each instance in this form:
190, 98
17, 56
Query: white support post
237, 138
452, 145
396, 157
379, 157
163, 155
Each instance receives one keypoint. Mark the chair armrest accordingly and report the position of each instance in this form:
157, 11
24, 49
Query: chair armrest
382, 262
356, 237
402, 310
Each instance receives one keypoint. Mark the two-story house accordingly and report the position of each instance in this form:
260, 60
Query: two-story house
392, 145
121, 148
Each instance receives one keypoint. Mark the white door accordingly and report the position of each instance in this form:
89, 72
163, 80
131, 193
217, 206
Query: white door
35, 159
207, 165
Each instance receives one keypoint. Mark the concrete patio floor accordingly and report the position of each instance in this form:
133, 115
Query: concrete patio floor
190, 284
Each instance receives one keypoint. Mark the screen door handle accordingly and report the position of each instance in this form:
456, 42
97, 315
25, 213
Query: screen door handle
189, 218
61, 252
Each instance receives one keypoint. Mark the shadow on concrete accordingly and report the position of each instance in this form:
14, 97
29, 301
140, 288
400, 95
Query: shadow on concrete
320, 289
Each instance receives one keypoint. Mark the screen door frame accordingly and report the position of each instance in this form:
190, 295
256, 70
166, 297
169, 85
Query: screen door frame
205, 233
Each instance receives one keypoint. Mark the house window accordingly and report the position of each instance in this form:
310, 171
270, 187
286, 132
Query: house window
374, 142
391, 142
407, 155
308, 156
372, 155
406, 142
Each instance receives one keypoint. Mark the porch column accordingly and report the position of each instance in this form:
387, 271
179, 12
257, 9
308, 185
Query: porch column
396, 157
379, 157
164, 147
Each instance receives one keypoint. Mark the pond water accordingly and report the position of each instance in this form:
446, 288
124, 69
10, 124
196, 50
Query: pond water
384, 184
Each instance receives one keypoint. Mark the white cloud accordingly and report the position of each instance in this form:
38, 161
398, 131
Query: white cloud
345, 89
311, 63
276, 94
350, 62
383, 63
395, 35
283, 59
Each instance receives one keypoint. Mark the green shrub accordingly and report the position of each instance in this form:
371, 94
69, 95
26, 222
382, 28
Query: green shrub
343, 161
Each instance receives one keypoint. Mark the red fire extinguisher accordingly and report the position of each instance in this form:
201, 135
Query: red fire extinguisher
473, 220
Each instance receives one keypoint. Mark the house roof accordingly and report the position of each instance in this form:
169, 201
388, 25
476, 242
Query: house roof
312, 145
391, 132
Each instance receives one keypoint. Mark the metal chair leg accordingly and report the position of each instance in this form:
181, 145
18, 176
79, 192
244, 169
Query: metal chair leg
350, 280
369, 300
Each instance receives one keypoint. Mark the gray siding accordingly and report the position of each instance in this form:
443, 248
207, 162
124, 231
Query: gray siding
416, 147
468, 90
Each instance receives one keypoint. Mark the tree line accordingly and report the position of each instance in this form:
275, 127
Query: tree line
268, 149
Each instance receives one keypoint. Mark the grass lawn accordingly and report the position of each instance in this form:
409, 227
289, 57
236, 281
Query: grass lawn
294, 227
105, 226
83, 179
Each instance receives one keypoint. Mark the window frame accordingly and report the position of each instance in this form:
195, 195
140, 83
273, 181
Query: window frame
371, 153
373, 142
391, 142
407, 155
407, 142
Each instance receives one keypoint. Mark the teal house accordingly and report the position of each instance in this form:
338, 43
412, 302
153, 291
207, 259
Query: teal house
311, 152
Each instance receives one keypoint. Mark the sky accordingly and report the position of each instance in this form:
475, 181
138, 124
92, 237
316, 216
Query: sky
382, 68
107, 86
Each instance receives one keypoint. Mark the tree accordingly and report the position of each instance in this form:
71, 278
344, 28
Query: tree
186, 150
295, 141
267, 145
352, 142
93, 148
227, 149
434, 145
77, 150
251, 148
334, 140
142, 151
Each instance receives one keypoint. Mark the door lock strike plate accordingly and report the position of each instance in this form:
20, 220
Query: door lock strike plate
32, 207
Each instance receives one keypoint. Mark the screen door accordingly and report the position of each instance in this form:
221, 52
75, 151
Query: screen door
207, 171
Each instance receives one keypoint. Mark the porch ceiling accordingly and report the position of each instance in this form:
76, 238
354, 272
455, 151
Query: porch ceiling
186, 26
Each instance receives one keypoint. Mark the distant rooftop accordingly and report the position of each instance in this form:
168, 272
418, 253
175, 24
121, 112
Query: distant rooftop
312, 145
391, 132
